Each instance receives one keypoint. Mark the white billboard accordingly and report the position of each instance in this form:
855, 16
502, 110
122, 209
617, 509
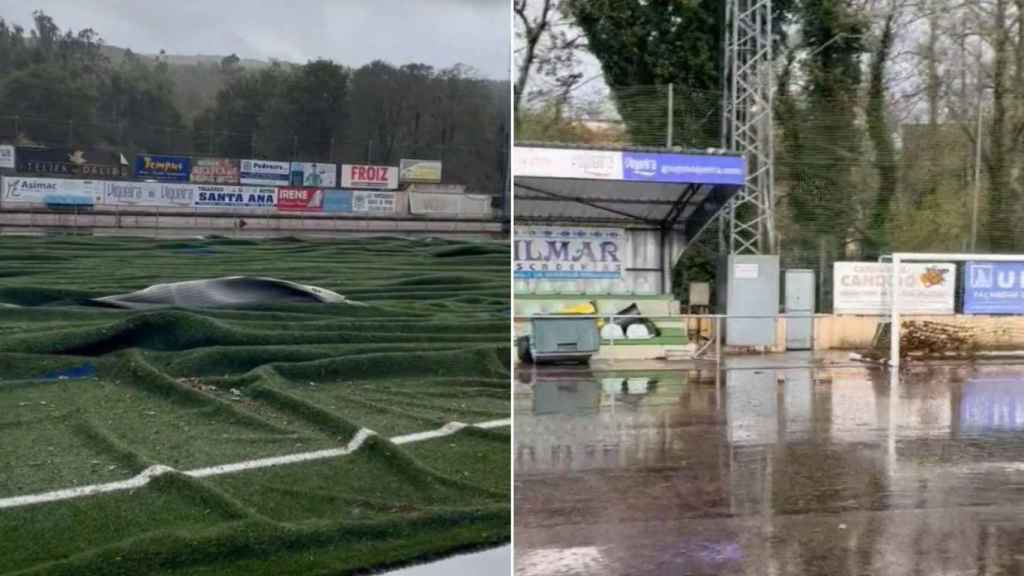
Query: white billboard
566, 163
6, 156
369, 176
369, 201
51, 190
314, 174
864, 288
236, 197
568, 252
157, 194
264, 172
437, 188
420, 170
450, 204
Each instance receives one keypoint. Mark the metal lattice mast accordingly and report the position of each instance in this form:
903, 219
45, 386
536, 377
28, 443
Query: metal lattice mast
748, 223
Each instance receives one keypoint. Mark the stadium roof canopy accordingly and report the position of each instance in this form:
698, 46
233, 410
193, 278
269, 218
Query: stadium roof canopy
638, 187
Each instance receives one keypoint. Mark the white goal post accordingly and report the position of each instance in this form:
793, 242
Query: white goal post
899, 258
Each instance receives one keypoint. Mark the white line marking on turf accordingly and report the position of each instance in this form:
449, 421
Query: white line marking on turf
352, 446
143, 478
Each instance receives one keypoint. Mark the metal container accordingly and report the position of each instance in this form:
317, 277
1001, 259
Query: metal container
561, 340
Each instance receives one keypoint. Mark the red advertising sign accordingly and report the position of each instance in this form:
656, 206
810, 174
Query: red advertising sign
300, 199
367, 176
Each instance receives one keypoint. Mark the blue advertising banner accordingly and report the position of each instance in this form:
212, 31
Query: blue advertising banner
338, 201
166, 168
994, 288
683, 168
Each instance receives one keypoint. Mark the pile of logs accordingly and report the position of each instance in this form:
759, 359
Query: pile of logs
927, 338
936, 338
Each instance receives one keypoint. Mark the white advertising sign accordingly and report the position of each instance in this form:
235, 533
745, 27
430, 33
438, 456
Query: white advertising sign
569, 252
437, 188
314, 174
233, 197
51, 190
420, 170
265, 172
423, 203
367, 201
163, 194
369, 176
450, 204
567, 163
864, 288
6, 156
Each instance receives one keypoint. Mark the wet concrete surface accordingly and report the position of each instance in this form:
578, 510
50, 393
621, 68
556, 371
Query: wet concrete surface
769, 470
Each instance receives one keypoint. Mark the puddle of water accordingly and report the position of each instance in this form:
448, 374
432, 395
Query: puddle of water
783, 470
494, 561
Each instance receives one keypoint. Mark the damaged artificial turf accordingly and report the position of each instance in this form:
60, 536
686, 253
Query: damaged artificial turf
91, 395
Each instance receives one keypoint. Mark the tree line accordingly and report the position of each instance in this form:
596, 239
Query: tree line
879, 108
66, 88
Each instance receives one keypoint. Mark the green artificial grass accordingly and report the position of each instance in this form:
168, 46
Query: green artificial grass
91, 395
670, 336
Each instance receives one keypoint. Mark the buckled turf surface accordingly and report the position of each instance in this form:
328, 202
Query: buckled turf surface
91, 395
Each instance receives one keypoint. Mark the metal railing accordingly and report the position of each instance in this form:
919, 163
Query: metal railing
710, 350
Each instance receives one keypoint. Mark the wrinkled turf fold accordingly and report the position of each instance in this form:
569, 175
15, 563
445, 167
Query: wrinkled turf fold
93, 395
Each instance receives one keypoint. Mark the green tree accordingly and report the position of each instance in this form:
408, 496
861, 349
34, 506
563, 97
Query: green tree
881, 137
822, 141
647, 43
136, 104
232, 126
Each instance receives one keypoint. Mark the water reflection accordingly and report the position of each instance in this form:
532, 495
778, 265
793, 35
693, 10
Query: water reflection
784, 471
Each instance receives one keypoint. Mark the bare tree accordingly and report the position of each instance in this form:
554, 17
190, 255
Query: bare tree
532, 31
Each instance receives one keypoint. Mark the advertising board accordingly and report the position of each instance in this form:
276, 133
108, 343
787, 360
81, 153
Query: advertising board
369, 176
300, 199
314, 174
994, 288
864, 288
426, 203
568, 252
683, 168
166, 168
373, 202
214, 171
51, 191
87, 164
419, 170
437, 188
359, 201
264, 172
6, 156
155, 194
450, 204
567, 163
235, 197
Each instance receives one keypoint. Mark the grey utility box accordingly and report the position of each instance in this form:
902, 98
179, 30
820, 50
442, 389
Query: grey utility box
751, 288
799, 307
563, 339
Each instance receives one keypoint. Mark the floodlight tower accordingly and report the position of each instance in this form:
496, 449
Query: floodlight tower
748, 223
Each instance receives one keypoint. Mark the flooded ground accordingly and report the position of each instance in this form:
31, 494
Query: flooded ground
767, 470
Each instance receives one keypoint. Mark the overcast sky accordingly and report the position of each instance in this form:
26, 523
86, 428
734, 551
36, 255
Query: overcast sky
440, 33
